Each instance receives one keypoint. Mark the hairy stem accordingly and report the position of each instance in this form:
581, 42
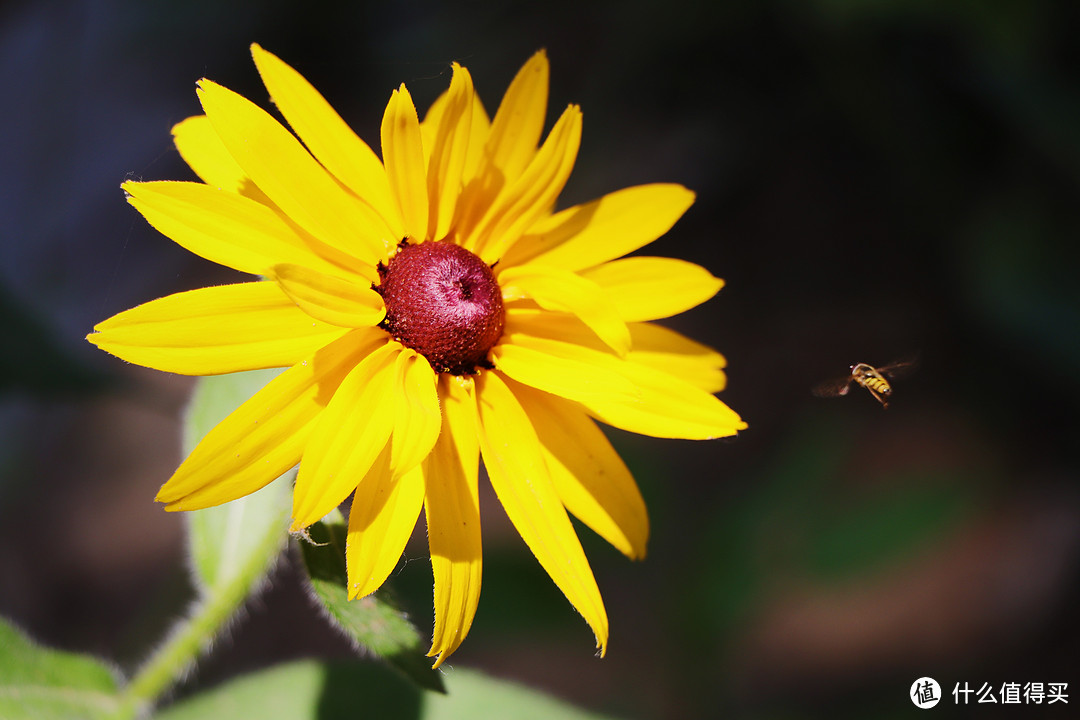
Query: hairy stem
193, 635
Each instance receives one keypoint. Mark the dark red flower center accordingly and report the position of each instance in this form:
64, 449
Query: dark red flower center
443, 302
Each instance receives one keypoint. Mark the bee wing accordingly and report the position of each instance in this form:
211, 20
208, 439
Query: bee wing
832, 388
900, 368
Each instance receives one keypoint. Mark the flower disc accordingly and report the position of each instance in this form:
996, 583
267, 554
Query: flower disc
444, 302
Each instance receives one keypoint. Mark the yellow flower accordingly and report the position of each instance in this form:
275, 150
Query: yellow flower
431, 309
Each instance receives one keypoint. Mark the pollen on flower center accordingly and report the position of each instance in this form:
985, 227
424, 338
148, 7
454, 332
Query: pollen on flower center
444, 302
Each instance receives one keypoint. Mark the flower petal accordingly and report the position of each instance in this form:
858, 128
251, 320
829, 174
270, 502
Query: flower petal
417, 417
330, 298
383, 515
479, 126
658, 347
214, 330
509, 144
665, 406
561, 368
221, 226
266, 435
449, 147
590, 477
604, 229
452, 506
277, 162
563, 291
327, 136
204, 153
478, 135
403, 153
520, 204
523, 484
526, 318
348, 437
519, 121
649, 288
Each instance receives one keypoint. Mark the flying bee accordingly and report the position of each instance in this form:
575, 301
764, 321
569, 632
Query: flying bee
870, 377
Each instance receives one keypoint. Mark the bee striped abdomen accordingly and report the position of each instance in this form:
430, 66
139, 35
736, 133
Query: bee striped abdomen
869, 377
877, 385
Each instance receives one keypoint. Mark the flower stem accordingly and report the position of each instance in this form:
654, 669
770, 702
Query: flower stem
194, 634
172, 660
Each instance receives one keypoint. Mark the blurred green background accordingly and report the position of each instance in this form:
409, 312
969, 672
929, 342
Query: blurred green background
874, 178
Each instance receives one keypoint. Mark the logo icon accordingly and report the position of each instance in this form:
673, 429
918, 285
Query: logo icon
925, 693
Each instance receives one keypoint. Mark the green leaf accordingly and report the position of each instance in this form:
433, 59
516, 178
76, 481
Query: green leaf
374, 622
309, 690
305, 690
39, 683
243, 537
479, 697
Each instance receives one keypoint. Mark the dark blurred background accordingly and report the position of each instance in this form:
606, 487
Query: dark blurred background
873, 178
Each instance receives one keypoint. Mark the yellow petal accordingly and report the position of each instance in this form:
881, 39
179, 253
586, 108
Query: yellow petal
562, 291
221, 226
449, 148
649, 288
403, 153
330, 298
527, 319
523, 484
666, 350
478, 135
519, 121
452, 506
561, 368
660, 404
604, 229
383, 515
327, 136
214, 330
479, 126
417, 417
204, 153
508, 143
266, 435
665, 406
522, 202
348, 437
277, 162
590, 477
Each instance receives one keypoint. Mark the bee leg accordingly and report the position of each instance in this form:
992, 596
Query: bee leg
880, 398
